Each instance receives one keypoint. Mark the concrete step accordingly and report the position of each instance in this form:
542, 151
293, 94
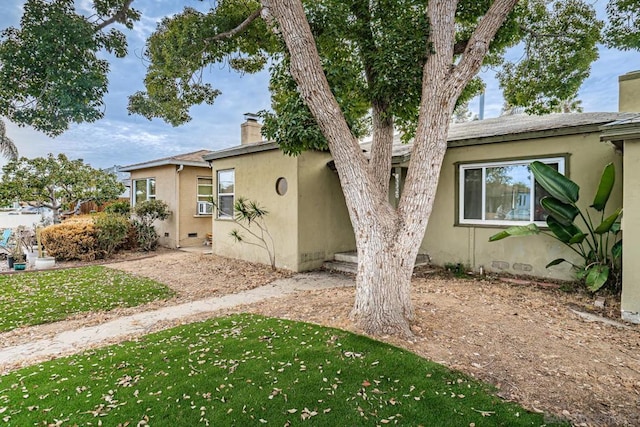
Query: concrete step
347, 262
421, 259
341, 266
346, 257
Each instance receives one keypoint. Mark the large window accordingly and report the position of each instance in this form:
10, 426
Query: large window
143, 190
502, 193
205, 196
226, 188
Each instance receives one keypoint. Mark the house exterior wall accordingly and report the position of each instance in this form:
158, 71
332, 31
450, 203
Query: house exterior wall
309, 223
629, 92
630, 301
193, 228
447, 242
325, 226
181, 202
166, 191
255, 179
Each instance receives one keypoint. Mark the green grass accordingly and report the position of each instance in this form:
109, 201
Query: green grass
250, 370
34, 298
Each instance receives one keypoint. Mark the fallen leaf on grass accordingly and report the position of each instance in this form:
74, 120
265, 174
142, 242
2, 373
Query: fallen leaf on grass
484, 413
306, 414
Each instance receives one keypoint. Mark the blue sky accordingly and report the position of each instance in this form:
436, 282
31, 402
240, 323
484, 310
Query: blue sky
122, 139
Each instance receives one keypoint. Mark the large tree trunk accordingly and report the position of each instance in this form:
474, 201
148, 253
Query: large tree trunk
388, 240
383, 284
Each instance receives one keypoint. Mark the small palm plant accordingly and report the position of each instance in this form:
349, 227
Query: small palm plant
599, 246
248, 213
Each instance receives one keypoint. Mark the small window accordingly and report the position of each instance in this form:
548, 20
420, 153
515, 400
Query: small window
143, 190
282, 186
226, 195
204, 203
502, 193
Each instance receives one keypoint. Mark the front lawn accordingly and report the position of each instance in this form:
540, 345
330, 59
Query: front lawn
250, 370
39, 297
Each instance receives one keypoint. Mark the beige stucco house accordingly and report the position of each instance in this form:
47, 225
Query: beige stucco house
625, 135
484, 187
184, 183
307, 218
310, 222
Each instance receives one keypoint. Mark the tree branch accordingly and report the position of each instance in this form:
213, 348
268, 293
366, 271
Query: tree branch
243, 25
382, 140
381, 148
307, 71
443, 82
536, 34
120, 16
478, 45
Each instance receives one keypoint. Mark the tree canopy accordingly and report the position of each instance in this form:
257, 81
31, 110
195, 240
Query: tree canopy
623, 27
357, 42
52, 73
56, 183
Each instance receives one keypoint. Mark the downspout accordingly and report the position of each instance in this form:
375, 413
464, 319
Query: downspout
213, 213
177, 196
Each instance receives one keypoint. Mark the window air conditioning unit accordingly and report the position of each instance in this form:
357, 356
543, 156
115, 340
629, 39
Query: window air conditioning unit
205, 208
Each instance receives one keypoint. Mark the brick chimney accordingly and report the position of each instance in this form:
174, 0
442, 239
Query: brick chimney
629, 92
250, 129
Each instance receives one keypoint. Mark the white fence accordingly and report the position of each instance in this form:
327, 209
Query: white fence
13, 221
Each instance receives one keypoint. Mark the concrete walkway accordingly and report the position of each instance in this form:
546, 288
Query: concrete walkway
74, 341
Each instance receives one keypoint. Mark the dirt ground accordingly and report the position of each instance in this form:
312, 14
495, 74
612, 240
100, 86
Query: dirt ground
530, 341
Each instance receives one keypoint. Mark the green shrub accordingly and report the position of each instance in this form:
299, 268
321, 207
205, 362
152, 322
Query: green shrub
146, 236
147, 213
131, 240
120, 207
111, 233
458, 269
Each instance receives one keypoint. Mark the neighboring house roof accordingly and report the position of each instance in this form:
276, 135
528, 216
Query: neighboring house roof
188, 159
499, 129
621, 130
515, 128
240, 150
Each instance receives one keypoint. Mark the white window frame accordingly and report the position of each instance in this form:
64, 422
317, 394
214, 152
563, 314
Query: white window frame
204, 207
150, 196
484, 165
219, 195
